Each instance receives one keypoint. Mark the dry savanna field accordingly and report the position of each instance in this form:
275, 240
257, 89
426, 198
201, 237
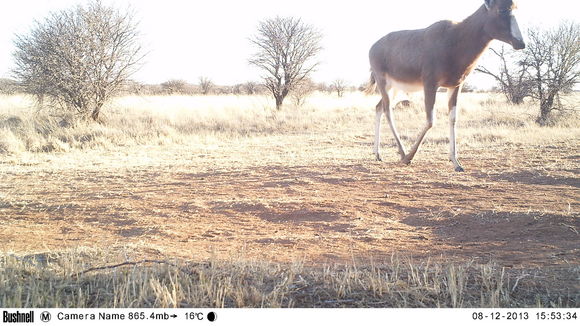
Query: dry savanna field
221, 201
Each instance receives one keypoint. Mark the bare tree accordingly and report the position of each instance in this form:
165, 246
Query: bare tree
553, 57
301, 91
286, 48
339, 86
250, 87
206, 85
511, 76
77, 59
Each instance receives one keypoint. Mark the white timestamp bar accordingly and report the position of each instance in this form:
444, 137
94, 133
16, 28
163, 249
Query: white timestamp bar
290, 316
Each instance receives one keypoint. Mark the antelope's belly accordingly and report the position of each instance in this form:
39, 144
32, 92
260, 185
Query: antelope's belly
404, 86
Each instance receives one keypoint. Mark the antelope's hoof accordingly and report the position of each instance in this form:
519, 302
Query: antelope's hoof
378, 157
459, 169
405, 161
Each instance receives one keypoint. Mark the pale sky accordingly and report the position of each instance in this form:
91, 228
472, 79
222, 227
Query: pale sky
189, 39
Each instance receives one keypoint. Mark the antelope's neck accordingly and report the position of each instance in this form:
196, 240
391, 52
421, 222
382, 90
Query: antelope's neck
472, 40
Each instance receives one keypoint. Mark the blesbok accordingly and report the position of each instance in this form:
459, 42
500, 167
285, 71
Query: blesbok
441, 55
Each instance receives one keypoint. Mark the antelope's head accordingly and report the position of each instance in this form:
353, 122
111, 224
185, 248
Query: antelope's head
501, 23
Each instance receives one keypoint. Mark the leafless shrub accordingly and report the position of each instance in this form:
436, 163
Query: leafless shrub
206, 85
132, 87
324, 87
250, 87
152, 89
468, 88
237, 89
177, 86
286, 48
301, 91
338, 86
77, 59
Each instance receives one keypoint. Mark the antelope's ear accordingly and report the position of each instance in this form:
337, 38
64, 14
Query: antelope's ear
489, 3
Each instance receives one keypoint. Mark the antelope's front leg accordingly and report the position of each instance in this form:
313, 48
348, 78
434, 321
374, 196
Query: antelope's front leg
453, 94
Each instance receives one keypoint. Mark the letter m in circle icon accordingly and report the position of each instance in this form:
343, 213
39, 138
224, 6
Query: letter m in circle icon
45, 316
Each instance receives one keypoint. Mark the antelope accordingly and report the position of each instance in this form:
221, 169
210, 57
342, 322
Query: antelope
441, 55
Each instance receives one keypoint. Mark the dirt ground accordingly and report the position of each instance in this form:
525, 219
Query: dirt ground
299, 198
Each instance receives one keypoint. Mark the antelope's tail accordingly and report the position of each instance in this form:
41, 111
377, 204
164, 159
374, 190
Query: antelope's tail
371, 86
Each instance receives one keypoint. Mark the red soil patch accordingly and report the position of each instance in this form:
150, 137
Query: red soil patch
519, 211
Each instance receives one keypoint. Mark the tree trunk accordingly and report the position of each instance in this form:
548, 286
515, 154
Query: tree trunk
279, 101
517, 98
96, 112
545, 108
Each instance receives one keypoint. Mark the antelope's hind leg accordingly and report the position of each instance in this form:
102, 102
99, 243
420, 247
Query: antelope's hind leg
378, 117
384, 106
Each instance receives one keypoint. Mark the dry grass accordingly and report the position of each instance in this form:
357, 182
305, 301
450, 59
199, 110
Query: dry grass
158, 120
484, 119
64, 279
